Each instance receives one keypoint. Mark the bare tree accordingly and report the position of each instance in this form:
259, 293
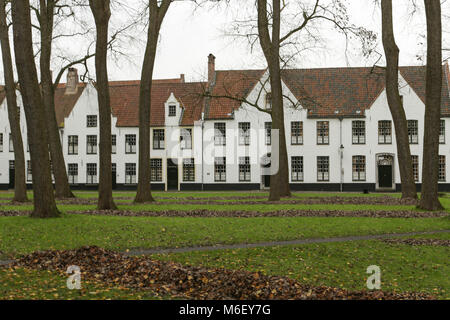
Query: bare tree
430, 171
101, 11
44, 200
395, 103
20, 187
156, 16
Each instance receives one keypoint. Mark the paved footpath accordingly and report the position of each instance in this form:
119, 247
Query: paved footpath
139, 252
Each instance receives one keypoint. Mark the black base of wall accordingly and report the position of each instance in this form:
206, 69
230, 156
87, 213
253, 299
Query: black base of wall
330, 187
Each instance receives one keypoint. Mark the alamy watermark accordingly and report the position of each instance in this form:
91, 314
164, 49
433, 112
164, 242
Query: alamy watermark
374, 280
74, 281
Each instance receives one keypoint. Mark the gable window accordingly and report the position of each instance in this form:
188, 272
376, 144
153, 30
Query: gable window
113, 144
244, 133
323, 132
72, 171
172, 110
11, 144
91, 173
220, 169
1, 142
384, 132
358, 132
158, 139
415, 165
297, 168
130, 143
155, 170
268, 101
359, 168
91, 121
29, 171
442, 132
130, 173
268, 129
297, 132
188, 170
442, 168
220, 134
323, 168
73, 145
186, 138
91, 145
413, 131
244, 169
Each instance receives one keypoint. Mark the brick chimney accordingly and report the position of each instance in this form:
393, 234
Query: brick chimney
211, 70
72, 81
182, 78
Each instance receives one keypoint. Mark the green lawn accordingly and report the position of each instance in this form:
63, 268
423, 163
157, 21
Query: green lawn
19, 235
403, 268
24, 284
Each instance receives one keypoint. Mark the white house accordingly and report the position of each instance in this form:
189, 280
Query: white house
339, 130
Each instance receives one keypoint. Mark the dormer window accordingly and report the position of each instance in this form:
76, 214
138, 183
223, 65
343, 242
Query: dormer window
91, 121
172, 111
269, 101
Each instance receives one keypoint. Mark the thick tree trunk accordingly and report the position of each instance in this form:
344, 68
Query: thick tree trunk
20, 187
395, 104
430, 170
157, 14
62, 188
44, 200
101, 11
279, 183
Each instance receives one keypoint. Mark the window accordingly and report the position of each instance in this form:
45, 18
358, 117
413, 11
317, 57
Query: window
442, 132
244, 133
186, 138
220, 170
1, 142
358, 132
442, 168
296, 132
73, 144
172, 111
415, 164
113, 144
268, 101
11, 144
91, 145
244, 169
323, 132
130, 173
130, 143
91, 121
219, 134
297, 168
29, 172
323, 168
359, 168
413, 131
155, 170
91, 173
188, 170
384, 132
72, 171
158, 139
268, 128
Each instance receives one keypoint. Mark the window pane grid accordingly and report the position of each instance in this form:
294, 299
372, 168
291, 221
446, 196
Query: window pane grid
220, 171
188, 170
323, 169
268, 129
415, 164
384, 132
442, 132
155, 170
73, 145
413, 131
72, 171
130, 143
442, 177
91, 173
358, 132
359, 168
323, 132
186, 138
297, 133
244, 133
91, 145
220, 134
158, 139
91, 121
244, 169
130, 173
297, 168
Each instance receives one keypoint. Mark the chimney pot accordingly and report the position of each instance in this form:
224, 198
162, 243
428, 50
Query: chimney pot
72, 81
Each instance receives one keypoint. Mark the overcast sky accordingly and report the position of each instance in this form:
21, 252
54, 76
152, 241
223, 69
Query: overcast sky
188, 36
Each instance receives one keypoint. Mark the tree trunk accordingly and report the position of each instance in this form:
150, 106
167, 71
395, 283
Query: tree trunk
20, 187
62, 188
279, 183
395, 104
101, 11
157, 14
430, 169
44, 200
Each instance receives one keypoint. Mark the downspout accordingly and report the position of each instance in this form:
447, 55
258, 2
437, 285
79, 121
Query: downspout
341, 154
203, 164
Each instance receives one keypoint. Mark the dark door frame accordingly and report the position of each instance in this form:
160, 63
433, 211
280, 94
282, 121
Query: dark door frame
385, 160
172, 174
